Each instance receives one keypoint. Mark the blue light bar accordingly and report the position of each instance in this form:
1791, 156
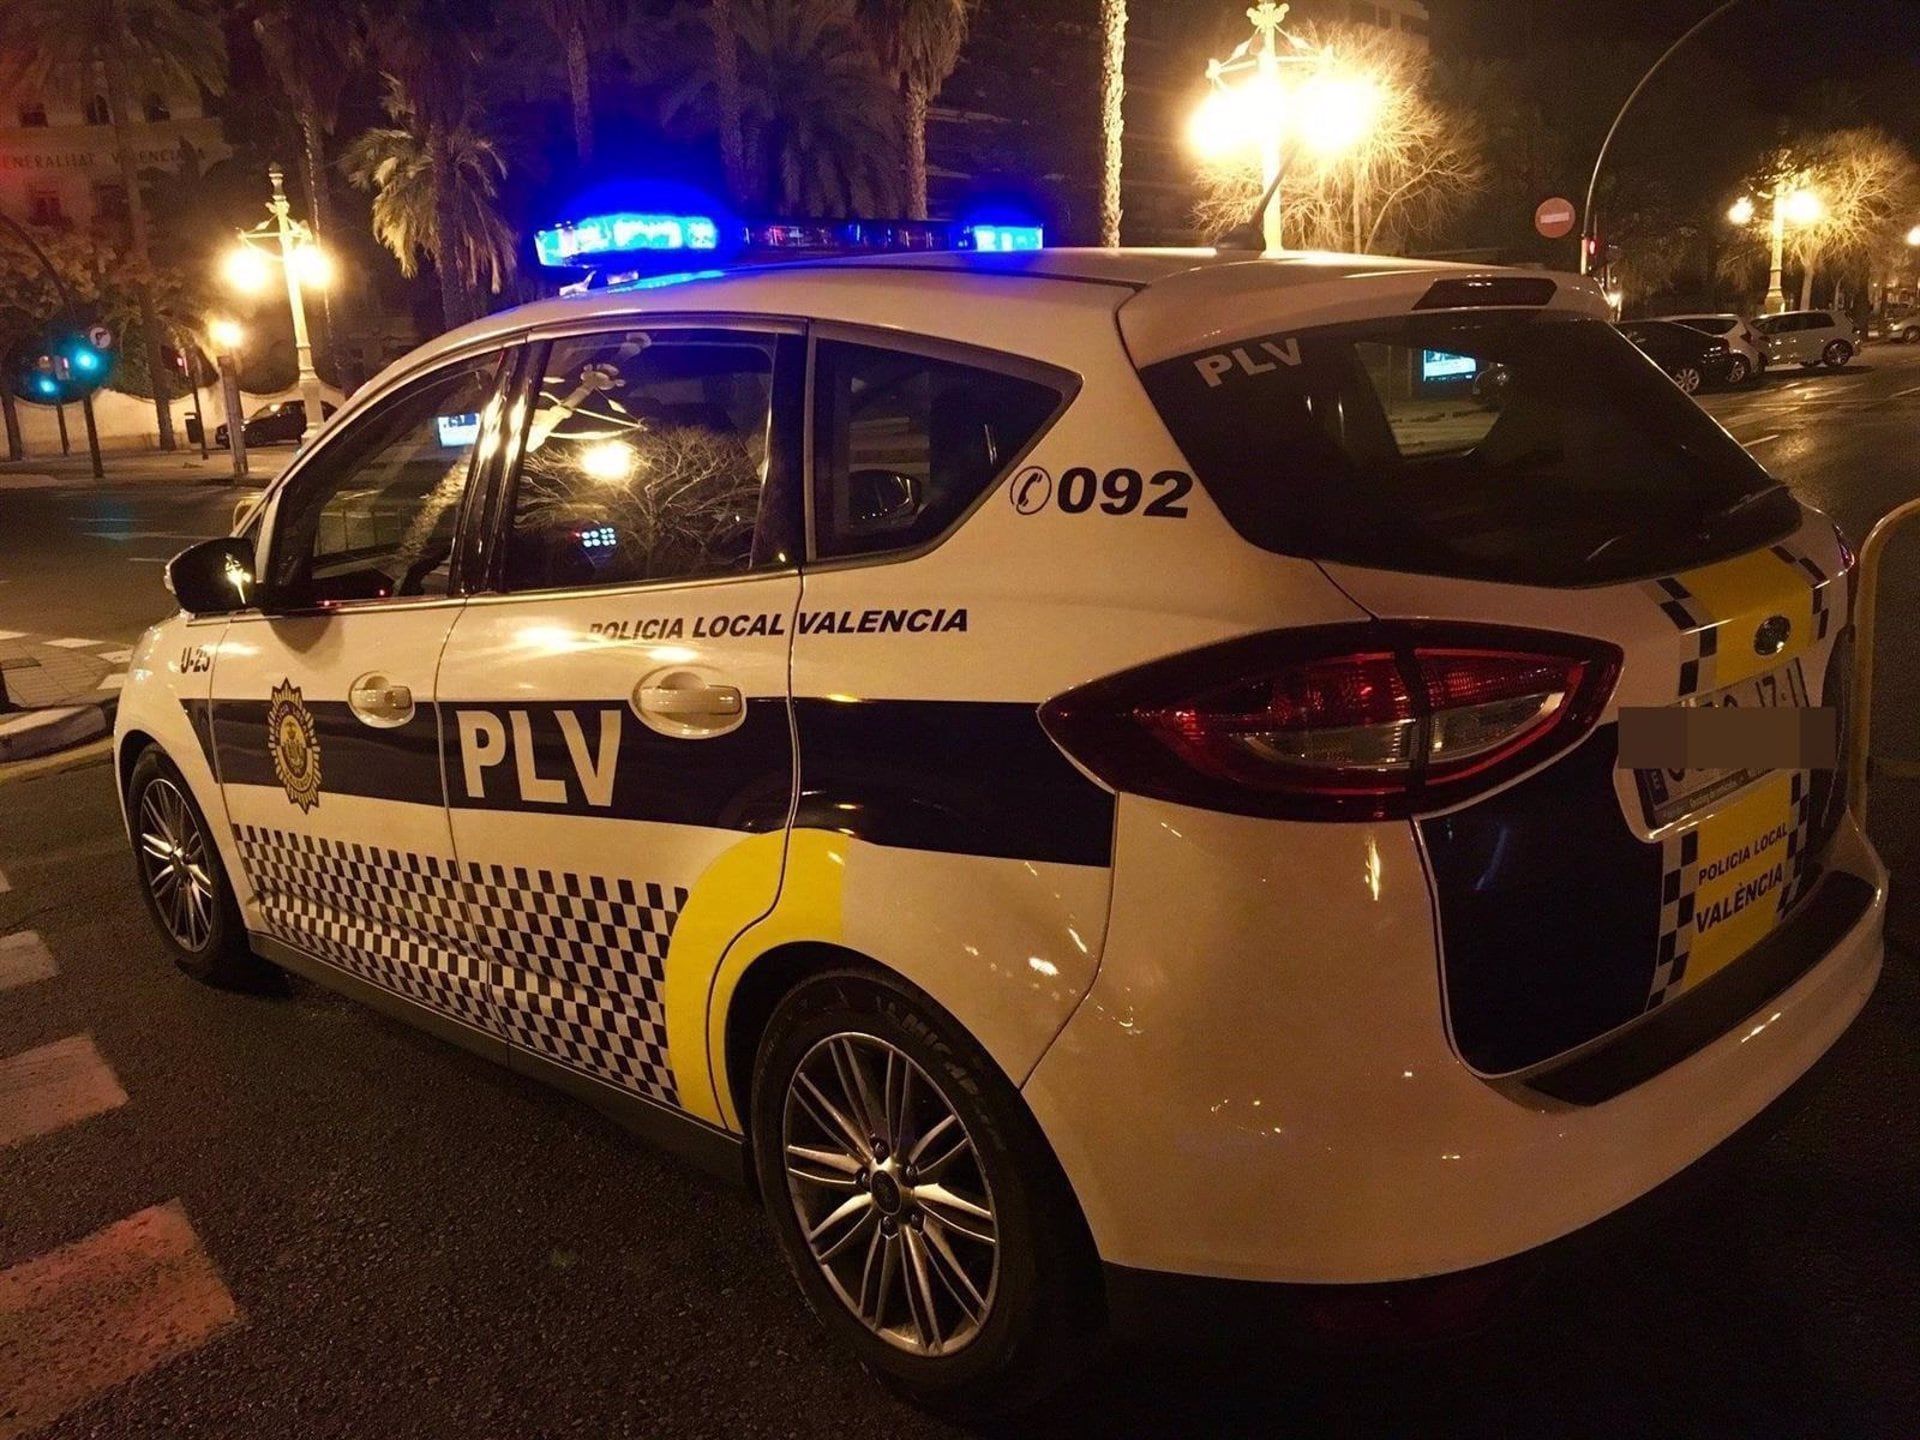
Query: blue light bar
624, 233
1002, 239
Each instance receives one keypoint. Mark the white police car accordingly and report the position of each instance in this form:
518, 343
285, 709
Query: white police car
1074, 767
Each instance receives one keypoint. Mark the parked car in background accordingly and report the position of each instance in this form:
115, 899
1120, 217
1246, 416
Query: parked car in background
1747, 345
281, 423
1693, 360
1901, 325
1809, 338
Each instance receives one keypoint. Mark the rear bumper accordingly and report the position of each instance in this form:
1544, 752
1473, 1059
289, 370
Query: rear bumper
1262, 1089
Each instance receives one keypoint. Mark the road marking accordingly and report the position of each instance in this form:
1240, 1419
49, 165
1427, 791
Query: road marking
117, 657
1902, 394
56, 1085
24, 958
75, 642
13, 634
5, 884
148, 559
1760, 440
113, 681
82, 1319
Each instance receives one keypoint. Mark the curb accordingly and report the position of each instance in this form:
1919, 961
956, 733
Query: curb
30, 733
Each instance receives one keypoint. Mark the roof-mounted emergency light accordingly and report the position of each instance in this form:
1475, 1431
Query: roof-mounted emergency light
624, 233
1002, 239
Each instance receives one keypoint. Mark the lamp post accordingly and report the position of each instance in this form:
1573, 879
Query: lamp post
1786, 204
226, 337
1274, 94
302, 263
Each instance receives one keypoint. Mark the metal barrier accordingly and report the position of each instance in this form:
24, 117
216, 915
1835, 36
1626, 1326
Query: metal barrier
1865, 615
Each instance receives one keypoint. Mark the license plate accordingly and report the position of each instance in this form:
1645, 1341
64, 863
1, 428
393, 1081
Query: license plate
1669, 795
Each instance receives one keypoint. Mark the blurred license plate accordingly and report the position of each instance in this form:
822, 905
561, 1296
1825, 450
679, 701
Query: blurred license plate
1670, 794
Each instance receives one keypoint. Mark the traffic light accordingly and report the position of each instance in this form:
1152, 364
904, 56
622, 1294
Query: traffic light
62, 365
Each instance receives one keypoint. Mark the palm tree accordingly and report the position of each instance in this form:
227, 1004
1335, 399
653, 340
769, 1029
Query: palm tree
819, 122
917, 43
432, 50
570, 21
436, 192
141, 47
726, 74
312, 51
1113, 89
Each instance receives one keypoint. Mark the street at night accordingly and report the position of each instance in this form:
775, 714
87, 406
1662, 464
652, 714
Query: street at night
959, 718
411, 1234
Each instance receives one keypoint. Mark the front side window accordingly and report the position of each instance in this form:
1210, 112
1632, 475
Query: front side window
645, 459
372, 516
1531, 448
904, 444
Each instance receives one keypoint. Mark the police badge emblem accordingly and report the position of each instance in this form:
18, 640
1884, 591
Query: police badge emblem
294, 744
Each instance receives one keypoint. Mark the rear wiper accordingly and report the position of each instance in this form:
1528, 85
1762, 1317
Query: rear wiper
1727, 512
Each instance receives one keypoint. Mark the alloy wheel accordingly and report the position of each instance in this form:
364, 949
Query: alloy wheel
890, 1194
175, 864
1687, 378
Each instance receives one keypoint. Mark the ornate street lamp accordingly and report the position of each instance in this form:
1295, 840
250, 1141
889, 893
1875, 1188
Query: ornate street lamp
303, 265
1275, 94
1788, 203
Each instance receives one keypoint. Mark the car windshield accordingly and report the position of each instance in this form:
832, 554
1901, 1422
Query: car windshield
1531, 448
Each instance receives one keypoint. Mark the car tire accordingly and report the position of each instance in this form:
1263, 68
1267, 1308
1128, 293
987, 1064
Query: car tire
1739, 371
182, 880
997, 1223
1910, 334
1836, 355
1688, 378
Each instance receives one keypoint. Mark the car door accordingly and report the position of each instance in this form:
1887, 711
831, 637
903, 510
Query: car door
323, 725
617, 743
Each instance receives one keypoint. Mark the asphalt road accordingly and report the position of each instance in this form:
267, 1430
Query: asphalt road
381, 1236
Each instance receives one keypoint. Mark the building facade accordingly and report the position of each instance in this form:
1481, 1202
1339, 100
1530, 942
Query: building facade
57, 163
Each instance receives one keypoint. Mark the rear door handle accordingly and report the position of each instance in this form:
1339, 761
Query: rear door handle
377, 701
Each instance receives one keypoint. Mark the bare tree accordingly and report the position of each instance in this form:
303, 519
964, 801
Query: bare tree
1867, 183
1417, 163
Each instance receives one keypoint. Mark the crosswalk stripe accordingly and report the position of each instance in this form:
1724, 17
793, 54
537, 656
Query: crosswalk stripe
94, 1314
24, 958
5, 884
75, 642
54, 1086
13, 634
117, 657
113, 681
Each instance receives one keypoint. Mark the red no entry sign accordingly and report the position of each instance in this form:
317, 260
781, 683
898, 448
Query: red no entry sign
1554, 218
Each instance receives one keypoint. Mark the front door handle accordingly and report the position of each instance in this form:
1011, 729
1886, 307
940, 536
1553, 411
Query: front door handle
717, 702
379, 702
688, 705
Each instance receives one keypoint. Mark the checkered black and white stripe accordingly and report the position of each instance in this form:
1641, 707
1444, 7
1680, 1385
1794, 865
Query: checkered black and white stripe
1801, 870
1821, 582
584, 966
1690, 616
388, 916
1679, 864
570, 966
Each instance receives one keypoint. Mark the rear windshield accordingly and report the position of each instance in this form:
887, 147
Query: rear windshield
1712, 324
1533, 448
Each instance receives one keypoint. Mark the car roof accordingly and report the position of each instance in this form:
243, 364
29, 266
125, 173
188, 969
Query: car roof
1168, 301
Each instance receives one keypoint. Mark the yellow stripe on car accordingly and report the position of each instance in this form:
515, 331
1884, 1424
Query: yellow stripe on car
1740, 594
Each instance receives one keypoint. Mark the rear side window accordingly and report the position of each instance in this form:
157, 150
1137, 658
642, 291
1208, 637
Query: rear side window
904, 444
1536, 448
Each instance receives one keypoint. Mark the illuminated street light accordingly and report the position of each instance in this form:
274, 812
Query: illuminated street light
226, 335
1913, 236
303, 266
1274, 95
1799, 206
247, 270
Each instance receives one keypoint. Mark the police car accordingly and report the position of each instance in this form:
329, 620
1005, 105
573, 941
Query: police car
1074, 770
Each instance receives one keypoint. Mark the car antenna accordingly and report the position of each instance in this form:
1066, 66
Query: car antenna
1251, 234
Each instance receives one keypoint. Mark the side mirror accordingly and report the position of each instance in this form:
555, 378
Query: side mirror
877, 499
214, 577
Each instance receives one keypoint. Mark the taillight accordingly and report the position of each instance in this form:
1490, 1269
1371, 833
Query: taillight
1348, 721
